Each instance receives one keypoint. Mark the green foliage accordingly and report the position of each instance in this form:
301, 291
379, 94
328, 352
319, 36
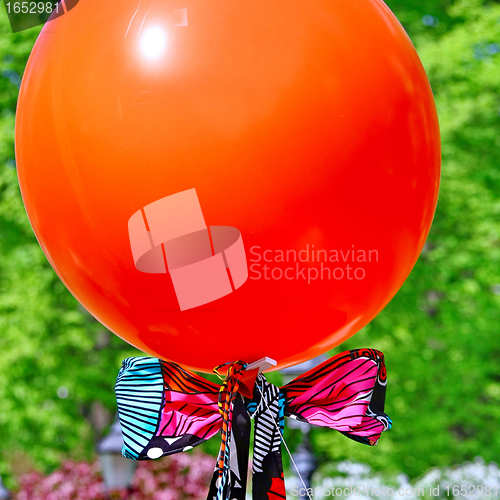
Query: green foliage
438, 334
57, 362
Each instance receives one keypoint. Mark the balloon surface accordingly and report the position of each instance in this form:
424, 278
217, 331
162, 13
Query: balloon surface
221, 180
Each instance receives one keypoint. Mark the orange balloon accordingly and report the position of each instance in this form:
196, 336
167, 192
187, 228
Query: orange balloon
230, 180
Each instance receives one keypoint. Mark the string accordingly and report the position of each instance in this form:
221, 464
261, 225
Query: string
286, 446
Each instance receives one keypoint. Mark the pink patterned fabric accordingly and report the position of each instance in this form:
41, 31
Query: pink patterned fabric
345, 393
196, 414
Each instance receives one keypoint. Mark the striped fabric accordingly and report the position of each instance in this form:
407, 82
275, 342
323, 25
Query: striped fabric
165, 409
227, 396
267, 409
139, 395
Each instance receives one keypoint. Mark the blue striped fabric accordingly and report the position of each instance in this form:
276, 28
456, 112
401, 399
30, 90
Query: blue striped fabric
139, 394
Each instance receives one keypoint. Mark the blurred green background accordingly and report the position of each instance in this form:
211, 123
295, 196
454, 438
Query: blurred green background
439, 334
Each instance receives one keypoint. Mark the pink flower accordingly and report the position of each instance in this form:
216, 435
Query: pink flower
185, 476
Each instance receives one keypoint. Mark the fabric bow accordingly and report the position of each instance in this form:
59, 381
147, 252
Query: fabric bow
165, 409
